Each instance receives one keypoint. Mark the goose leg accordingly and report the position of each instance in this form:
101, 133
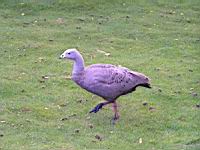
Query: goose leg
116, 113
99, 106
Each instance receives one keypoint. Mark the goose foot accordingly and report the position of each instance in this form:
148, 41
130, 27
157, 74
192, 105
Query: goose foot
114, 120
97, 108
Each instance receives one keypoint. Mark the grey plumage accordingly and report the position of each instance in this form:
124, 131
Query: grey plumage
105, 80
109, 81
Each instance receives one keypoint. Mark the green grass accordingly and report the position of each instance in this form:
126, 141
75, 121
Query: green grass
158, 38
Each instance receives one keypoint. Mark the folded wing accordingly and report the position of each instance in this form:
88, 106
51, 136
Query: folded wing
110, 82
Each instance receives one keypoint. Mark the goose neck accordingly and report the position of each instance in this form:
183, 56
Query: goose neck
78, 66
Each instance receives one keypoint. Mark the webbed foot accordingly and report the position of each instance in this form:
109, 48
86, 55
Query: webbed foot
97, 108
114, 120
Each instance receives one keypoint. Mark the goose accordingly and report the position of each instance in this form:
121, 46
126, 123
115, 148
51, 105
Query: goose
105, 80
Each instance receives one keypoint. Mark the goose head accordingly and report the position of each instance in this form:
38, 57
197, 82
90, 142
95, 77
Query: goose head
72, 54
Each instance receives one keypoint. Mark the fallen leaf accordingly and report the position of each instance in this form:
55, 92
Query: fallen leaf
119, 65
68, 77
98, 137
194, 94
140, 140
41, 81
107, 54
103, 52
81, 19
157, 69
145, 104
79, 101
43, 86
188, 20
60, 20
65, 118
198, 105
88, 118
190, 70
72, 115
77, 130
177, 92
63, 105
22, 90
152, 108
28, 120
90, 126
191, 89
45, 77
41, 59
58, 107
26, 109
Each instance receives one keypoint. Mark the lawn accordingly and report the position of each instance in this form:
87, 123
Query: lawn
42, 109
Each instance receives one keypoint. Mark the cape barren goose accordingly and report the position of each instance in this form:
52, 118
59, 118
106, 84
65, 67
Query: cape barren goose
105, 80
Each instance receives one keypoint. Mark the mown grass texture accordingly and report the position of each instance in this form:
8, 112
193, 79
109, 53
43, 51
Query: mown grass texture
158, 38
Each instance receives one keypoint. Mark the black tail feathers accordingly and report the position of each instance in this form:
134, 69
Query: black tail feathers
147, 85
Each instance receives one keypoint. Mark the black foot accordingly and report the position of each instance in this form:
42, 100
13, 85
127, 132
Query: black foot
97, 108
114, 119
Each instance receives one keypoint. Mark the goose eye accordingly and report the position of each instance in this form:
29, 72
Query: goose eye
69, 53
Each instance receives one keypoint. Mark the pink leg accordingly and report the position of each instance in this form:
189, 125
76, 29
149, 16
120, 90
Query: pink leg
116, 113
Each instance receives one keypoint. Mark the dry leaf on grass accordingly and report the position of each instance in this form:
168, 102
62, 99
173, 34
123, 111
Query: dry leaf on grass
103, 52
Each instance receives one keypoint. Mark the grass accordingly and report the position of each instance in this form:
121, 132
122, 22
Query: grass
159, 38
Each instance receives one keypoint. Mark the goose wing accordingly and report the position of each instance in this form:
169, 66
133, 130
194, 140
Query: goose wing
109, 81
